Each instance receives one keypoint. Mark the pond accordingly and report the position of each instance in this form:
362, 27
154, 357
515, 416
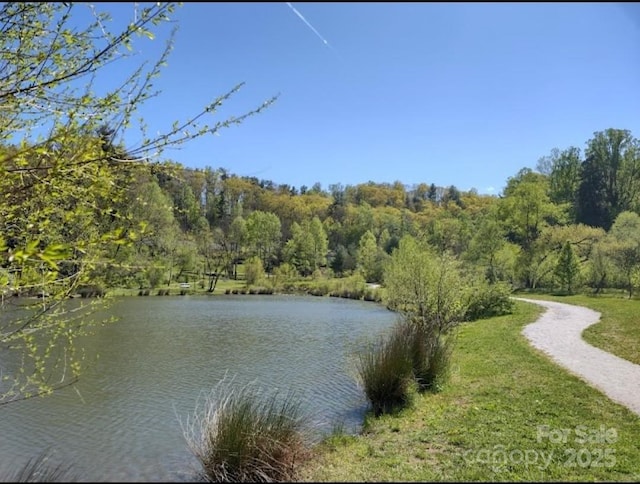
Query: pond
122, 420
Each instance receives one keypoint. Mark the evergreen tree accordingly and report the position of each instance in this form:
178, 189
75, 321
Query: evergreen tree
568, 267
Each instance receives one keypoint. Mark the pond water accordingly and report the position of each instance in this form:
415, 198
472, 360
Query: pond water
122, 421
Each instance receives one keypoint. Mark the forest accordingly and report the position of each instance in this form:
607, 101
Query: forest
572, 222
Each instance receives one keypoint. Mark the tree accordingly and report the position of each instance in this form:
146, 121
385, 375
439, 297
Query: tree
624, 247
425, 287
64, 166
253, 270
238, 238
320, 242
263, 235
568, 267
298, 251
215, 248
526, 210
594, 206
307, 248
485, 245
370, 258
599, 266
342, 260
611, 177
432, 194
564, 169
452, 194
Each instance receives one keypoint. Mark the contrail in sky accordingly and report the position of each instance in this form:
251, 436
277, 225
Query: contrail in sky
308, 24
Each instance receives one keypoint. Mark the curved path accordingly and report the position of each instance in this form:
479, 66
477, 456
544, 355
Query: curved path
558, 333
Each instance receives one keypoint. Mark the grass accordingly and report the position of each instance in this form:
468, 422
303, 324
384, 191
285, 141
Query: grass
242, 435
174, 288
491, 420
618, 331
385, 371
39, 469
351, 287
410, 358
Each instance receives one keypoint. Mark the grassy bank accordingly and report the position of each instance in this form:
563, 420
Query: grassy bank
346, 287
618, 331
175, 289
488, 422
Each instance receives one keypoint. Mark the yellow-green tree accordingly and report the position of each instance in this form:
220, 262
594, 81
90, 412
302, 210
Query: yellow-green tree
624, 248
64, 167
424, 286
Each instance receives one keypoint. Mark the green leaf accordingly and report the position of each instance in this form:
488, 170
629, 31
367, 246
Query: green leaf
32, 247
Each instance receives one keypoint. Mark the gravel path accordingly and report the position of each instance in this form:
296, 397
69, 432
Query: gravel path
558, 333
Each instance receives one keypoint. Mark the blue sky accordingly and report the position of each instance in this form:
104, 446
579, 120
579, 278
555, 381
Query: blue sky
450, 93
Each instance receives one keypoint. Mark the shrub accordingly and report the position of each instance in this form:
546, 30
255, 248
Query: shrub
372, 295
385, 371
241, 435
253, 270
91, 291
485, 300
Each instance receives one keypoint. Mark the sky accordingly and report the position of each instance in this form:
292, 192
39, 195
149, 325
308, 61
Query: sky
462, 94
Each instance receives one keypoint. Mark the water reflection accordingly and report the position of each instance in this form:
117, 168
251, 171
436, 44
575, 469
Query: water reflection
121, 421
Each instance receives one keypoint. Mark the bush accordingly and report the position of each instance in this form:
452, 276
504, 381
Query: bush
372, 295
253, 271
91, 291
386, 373
485, 300
243, 436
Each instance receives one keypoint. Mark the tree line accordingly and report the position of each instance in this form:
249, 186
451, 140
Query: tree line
572, 221
187, 224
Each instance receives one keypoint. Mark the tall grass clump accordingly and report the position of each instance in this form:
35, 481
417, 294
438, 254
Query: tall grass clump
385, 371
413, 355
38, 469
430, 355
242, 435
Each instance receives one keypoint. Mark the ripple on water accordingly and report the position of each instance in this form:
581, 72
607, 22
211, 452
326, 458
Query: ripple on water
122, 420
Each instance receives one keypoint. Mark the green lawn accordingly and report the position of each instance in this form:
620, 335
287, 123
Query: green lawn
618, 331
489, 422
